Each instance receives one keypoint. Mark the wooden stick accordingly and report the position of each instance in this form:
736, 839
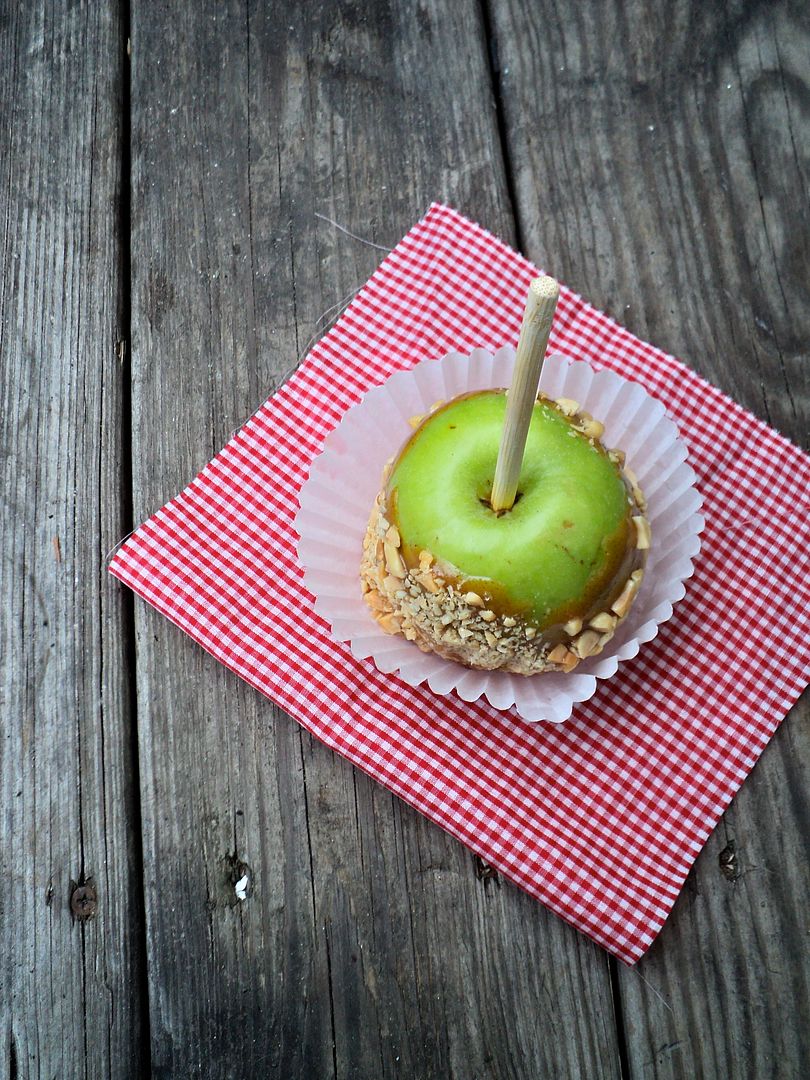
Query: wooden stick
540, 305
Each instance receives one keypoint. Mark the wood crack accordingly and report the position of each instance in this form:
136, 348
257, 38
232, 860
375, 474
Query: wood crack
331, 998
309, 833
493, 68
766, 231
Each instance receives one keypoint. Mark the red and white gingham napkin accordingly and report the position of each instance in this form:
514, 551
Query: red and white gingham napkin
600, 818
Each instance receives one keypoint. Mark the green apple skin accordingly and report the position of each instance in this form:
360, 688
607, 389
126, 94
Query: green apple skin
563, 551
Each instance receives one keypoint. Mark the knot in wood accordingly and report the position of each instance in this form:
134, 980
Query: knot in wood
83, 901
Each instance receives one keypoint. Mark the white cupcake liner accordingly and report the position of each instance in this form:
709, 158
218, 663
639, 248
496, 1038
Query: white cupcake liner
336, 500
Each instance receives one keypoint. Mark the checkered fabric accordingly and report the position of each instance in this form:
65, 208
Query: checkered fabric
599, 818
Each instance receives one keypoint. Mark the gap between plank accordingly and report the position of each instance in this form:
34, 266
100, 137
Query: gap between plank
618, 1016
127, 517
493, 64
500, 114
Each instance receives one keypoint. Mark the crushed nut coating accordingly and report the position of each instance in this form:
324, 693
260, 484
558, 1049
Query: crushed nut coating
425, 605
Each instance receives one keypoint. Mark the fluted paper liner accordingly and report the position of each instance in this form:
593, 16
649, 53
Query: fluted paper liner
336, 500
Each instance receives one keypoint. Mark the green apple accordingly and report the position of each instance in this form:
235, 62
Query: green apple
562, 552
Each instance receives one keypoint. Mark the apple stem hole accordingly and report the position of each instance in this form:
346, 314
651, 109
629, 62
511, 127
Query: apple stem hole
499, 513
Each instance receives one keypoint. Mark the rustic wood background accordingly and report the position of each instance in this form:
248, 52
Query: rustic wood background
164, 264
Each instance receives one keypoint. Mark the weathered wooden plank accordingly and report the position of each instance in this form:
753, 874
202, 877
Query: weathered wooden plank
661, 168
367, 945
69, 986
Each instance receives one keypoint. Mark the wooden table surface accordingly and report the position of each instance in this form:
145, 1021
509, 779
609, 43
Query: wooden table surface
167, 170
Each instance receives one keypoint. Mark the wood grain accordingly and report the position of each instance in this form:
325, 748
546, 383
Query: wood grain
69, 983
670, 144
369, 945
